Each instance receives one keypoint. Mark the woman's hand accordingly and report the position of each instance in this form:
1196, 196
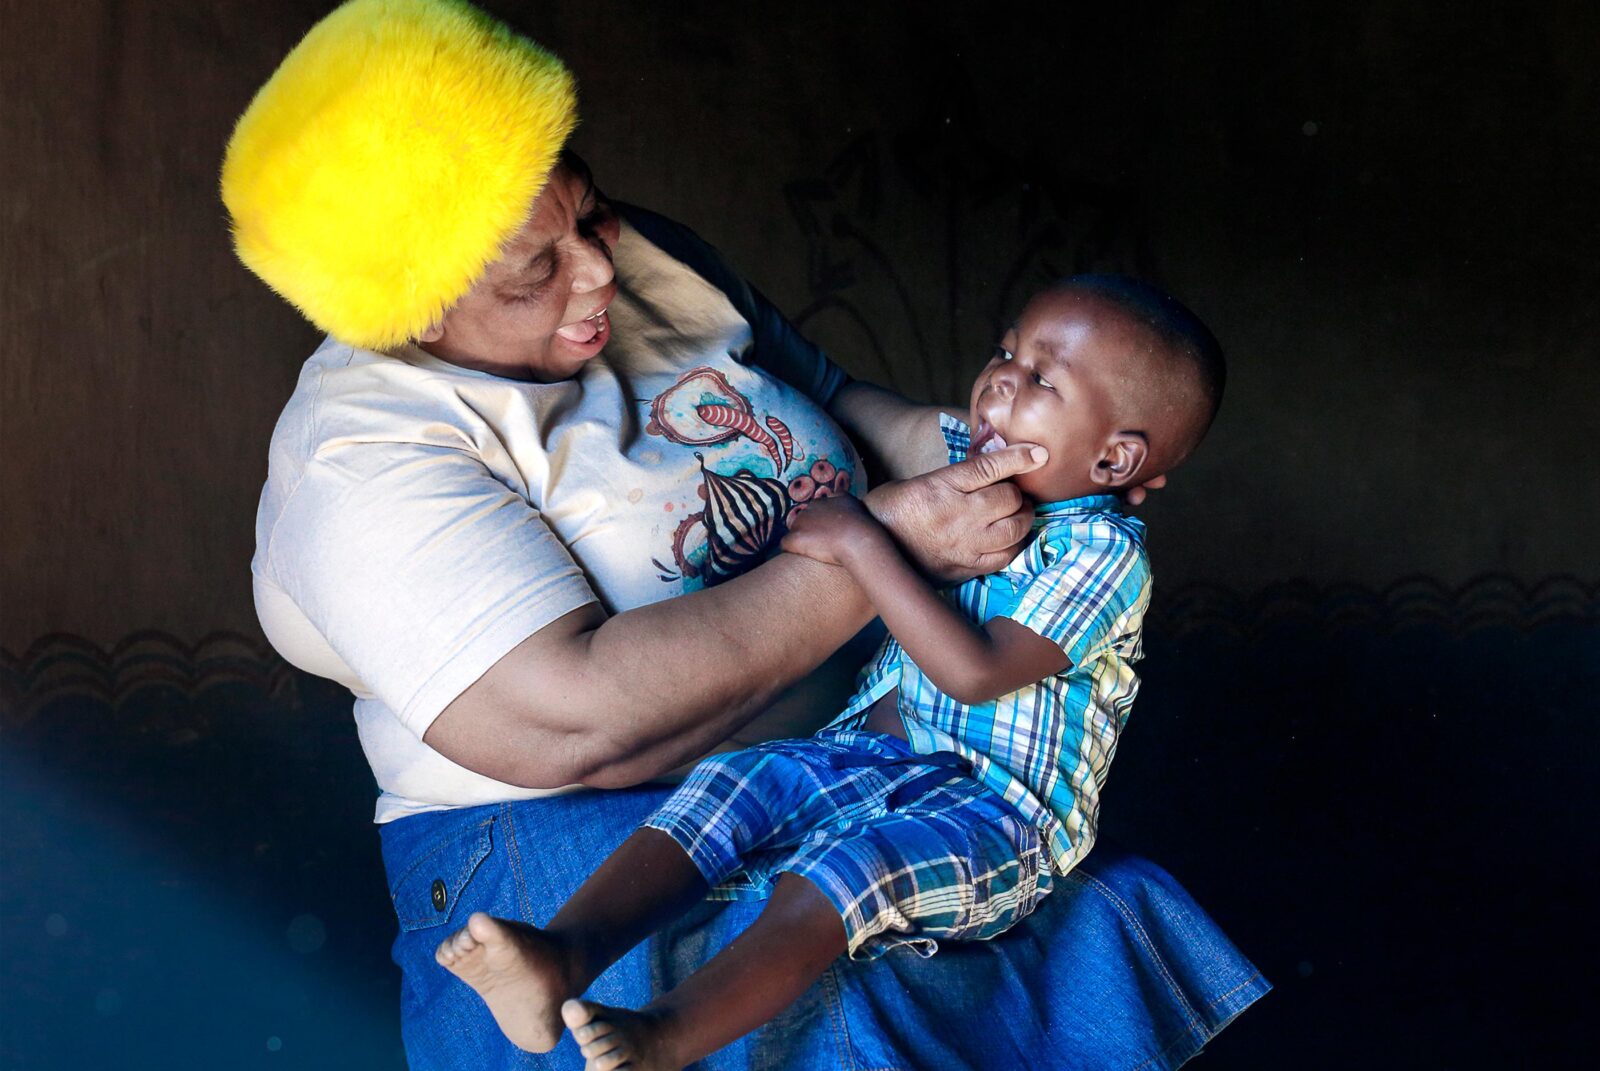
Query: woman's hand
1138, 494
963, 520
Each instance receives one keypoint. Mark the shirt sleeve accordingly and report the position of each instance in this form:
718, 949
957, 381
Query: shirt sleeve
1090, 597
419, 568
778, 348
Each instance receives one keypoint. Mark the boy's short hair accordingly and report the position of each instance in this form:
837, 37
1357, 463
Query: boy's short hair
1174, 324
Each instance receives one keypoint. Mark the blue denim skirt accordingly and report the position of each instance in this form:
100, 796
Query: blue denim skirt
1117, 969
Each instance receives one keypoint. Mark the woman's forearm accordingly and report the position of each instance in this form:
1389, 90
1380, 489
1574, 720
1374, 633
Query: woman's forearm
679, 676
615, 701
898, 437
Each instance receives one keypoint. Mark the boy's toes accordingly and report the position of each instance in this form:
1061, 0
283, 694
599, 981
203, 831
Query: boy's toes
576, 1014
481, 926
602, 1047
453, 947
597, 1035
598, 1039
609, 1062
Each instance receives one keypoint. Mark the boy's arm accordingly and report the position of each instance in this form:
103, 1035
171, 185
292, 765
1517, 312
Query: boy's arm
969, 662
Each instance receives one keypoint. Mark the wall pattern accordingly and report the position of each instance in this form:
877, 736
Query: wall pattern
139, 670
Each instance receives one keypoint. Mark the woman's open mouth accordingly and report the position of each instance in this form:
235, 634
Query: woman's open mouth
587, 330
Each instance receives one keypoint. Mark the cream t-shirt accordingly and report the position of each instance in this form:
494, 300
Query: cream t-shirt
419, 520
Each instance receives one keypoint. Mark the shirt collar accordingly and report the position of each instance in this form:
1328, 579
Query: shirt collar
958, 438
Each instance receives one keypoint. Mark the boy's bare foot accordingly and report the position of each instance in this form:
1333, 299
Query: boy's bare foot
616, 1037
520, 972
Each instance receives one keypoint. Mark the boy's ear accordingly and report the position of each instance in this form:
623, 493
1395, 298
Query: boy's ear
433, 332
1124, 457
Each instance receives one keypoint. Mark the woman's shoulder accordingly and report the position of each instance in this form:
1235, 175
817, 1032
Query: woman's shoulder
346, 394
685, 246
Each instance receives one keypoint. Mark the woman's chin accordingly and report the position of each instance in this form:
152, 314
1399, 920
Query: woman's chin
562, 359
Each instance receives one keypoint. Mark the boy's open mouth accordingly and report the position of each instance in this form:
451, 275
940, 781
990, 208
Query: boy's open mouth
985, 440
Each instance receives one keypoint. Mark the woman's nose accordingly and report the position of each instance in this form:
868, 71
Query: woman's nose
593, 269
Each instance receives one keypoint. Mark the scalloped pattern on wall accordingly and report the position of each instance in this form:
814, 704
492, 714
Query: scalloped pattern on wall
61, 665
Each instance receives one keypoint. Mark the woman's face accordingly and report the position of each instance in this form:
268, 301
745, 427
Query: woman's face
538, 312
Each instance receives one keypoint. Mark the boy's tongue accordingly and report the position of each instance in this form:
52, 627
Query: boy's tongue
990, 440
582, 331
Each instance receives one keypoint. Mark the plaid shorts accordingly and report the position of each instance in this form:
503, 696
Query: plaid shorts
909, 848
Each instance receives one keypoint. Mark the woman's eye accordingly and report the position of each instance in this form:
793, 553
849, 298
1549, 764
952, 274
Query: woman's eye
595, 218
532, 295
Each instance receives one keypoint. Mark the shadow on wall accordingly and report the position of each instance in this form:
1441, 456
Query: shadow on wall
1008, 225
193, 879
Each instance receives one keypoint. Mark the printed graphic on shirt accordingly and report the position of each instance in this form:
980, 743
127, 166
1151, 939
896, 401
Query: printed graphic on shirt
746, 513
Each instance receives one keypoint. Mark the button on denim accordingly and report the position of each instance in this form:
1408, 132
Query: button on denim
1117, 969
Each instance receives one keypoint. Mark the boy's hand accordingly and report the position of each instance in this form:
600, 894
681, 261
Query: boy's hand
830, 529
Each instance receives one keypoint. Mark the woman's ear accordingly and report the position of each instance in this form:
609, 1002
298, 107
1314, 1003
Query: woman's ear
434, 331
1124, 457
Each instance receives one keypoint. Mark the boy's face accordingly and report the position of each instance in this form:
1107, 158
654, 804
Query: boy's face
1054, 381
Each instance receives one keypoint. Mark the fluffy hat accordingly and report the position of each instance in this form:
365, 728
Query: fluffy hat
385, 162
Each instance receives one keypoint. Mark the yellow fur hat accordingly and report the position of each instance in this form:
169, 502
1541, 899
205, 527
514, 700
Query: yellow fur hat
385, 162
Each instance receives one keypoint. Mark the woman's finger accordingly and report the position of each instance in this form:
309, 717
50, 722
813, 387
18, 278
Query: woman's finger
995, 501
985, 469
1138, 494
1006, 534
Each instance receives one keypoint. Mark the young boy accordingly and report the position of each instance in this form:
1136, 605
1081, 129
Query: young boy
966, 770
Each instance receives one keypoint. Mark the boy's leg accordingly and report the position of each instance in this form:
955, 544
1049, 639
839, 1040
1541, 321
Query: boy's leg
729, 806
762, 972
949, 860
524, 973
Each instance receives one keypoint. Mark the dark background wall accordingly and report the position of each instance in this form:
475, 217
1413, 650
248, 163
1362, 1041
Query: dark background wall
1385, 210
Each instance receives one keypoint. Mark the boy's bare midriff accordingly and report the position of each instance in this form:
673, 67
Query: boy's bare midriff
884, 715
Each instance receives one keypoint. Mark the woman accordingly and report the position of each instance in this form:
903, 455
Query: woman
523, 503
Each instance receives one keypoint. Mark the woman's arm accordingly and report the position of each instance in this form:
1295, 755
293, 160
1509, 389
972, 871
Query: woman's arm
969, 661
898, 437
614, 701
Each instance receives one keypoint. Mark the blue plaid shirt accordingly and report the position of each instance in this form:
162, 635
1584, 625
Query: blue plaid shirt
1083, 580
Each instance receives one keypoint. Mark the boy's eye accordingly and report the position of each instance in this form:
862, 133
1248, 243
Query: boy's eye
1043, 382
1001, 354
